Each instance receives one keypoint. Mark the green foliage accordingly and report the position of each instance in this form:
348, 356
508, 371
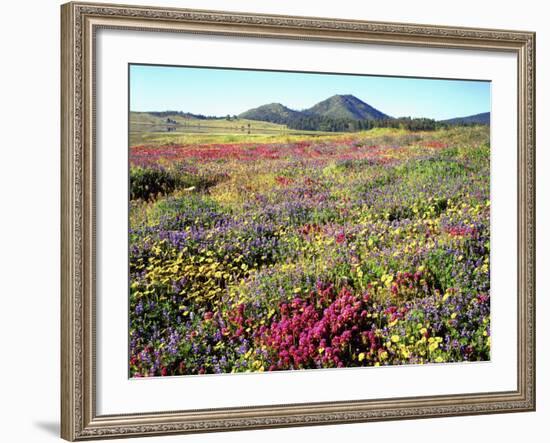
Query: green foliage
433, 169
440, 262
148, 183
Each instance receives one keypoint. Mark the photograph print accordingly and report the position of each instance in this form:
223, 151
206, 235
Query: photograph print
285, 221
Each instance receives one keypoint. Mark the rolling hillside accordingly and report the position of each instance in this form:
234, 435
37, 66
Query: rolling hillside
273, 112
481, 119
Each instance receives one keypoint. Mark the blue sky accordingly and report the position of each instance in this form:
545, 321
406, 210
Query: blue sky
220, 92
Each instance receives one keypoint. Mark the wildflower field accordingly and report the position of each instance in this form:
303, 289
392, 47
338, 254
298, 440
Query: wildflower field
303, 252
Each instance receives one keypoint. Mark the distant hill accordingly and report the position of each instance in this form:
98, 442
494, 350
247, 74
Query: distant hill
273, 112
346, 107
480, 119
337, 107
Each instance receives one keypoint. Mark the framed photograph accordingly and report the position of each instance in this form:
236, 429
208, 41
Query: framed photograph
277, 221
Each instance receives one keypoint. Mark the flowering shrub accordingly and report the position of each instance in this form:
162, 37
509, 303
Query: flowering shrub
326, 331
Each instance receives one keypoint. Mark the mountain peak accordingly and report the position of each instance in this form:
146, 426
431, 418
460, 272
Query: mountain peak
346, 106
348, 96
342, 98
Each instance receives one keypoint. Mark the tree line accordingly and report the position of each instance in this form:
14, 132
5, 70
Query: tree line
329, 124
189, 115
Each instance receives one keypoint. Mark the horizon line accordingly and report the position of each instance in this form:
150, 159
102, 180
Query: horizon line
237, 115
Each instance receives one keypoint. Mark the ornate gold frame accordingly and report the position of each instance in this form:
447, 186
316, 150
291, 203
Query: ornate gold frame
79, 22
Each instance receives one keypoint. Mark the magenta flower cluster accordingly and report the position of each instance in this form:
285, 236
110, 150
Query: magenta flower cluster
324, 330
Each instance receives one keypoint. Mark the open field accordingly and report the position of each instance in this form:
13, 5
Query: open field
146, 118
292, 251
152, 130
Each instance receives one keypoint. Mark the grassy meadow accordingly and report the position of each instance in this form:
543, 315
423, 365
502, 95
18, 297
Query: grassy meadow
154, 131
259, 248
